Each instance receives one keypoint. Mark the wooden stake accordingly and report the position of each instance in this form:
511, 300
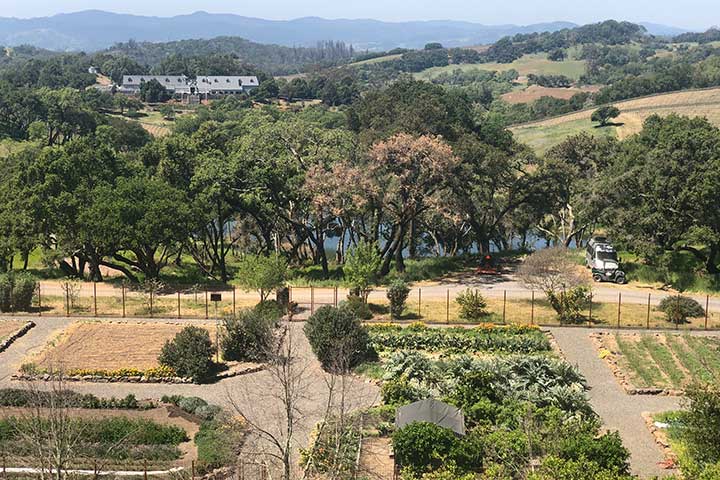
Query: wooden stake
504, 304
619, 304
532, 308
95, 298
447, 307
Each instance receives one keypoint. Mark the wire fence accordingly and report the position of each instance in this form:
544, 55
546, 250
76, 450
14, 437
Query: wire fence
623, 308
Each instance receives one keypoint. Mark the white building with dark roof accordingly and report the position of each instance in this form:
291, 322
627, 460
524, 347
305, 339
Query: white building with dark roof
181, 85
224, 85
173, 83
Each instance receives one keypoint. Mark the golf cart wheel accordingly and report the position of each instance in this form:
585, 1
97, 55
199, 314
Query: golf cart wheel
620, 280
597, 277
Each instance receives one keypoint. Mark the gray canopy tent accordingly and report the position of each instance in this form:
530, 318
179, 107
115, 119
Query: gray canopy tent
431, 411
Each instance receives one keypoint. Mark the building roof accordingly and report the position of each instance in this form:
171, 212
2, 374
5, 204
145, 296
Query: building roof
431, 411
171, 82
220, 83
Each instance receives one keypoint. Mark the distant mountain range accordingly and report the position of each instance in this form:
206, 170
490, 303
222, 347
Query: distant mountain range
94, 30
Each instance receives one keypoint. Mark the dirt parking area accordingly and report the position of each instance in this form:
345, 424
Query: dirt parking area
110, 345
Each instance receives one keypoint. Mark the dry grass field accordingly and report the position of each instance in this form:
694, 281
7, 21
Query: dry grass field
110, 346
536, 92
700, 103
9, 327
537, 64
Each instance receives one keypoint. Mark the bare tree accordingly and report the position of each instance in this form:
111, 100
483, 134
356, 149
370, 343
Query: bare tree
274, 409
555, 272
551, 270
51, 430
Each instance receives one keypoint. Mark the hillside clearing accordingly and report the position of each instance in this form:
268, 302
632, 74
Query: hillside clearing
370, 61
698, 103
536, 92
537, 64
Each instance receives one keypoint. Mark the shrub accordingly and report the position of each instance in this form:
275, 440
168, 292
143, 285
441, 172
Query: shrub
190, 404
270, 309
607, 451
358, 306
570, 304
189, 354
16, 292
217, 442
337, 338
264, 274
397, 293
702, 422
473, 306
422, 447
361, 268
401, 392
249, 336
679, 308
208, 412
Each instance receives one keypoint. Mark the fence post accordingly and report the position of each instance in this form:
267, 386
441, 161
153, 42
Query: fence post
619, 304
178, 303
67, 302
335, 296
290, 294
419, 302
123, 300
39, 301
504, 304
234, 303
648, 312
151, 303
192, 470
447, 307
707, 308
95, 298
590, 312
532, 308
312, 300
207, 315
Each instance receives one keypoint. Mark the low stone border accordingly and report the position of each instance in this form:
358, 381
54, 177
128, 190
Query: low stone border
611, 358
5, 344
46, 377
661, 439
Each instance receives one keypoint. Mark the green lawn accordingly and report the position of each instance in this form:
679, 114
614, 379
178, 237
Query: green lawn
537, 64
541, 137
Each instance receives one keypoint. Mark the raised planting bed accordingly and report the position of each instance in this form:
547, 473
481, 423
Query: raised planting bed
659, 363
107, 351
486, 338
129, 440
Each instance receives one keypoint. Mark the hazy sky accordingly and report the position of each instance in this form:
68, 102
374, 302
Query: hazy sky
694, 14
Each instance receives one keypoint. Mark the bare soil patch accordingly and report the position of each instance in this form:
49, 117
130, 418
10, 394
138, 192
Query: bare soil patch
110, 346
375, 458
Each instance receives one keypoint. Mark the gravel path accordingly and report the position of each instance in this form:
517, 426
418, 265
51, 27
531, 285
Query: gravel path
618, 410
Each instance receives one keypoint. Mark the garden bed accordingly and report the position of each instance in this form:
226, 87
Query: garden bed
11, 330
132, 440
486, 338
659, 364
108, 351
